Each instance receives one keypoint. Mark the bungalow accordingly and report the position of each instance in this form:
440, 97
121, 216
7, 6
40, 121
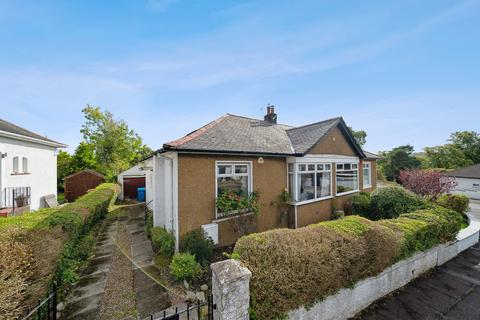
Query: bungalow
468, 181
28, 168
320, 164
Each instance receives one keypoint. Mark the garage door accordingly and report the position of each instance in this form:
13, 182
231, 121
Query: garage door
130, 186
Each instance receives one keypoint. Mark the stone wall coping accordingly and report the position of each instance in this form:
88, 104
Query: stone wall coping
230, 270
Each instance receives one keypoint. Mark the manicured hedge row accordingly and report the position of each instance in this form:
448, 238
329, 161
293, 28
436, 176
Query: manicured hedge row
45, 246
294, 268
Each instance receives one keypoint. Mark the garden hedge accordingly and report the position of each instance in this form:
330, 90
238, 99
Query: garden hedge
294, 268
48, 245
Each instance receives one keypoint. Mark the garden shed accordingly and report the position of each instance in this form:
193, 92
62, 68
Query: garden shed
80, 182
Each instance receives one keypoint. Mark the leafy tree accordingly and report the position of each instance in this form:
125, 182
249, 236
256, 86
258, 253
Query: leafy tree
396, 160
115, 146
360, 136
468, 142
64, 167
84, 157
447, 156
426, 183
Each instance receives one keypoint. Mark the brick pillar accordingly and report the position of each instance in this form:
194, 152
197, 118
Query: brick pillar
231, 290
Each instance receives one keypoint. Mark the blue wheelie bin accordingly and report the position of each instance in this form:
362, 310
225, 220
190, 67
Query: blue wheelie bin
141, 194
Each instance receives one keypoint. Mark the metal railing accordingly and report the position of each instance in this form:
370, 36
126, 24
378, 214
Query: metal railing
16, 197
199, 310
46, 309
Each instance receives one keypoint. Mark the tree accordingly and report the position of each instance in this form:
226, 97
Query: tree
426, 183
360, 136
84, 157
468, 142
115, 146
396, 160
448, 156
64, 167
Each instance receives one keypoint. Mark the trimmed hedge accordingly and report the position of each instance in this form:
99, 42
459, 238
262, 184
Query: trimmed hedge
163, 241
53, 243
386, 203
294, 268
455, 202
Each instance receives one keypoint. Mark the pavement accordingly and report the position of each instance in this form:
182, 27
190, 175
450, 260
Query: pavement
448, 292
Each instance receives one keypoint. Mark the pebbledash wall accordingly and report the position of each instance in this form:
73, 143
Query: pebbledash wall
41, 175
231, 283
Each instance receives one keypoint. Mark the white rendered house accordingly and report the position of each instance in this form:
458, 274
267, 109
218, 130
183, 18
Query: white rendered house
28, 167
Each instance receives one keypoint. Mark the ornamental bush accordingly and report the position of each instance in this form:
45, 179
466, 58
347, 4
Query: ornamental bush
163, 241
361, 204
390, 202
198, 243
295, 268
456, 202
185, 267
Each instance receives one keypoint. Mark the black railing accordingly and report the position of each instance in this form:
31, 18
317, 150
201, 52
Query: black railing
199, 310
16, 197
46, 309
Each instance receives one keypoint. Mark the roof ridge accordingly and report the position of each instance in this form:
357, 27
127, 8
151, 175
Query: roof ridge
196, 133
249, 118
315, 123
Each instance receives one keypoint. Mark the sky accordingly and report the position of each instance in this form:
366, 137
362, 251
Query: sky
403, 71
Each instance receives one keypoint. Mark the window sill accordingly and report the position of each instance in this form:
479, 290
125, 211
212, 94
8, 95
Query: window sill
347, 193
300, 203
20, 174
367, 186
231, 216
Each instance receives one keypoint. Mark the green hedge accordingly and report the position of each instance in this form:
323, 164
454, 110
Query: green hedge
455, 202
55, 243
294, 268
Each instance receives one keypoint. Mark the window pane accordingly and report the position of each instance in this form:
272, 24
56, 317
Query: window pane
306, 187
241, 168
224, 169
327, 167
302, 167
323, 184
347, 181
354, 166
237, 185
319, 166
290, 167
346, 166
366, 177
25, 165
339, 166
15, 164
290, 183
311, 167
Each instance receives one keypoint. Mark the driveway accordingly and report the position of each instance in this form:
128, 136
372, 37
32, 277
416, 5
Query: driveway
449, 292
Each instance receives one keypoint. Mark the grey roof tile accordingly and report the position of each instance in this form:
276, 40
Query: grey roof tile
467, 172
11, 128
232, 133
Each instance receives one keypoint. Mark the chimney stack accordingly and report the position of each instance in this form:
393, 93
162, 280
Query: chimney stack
271, 116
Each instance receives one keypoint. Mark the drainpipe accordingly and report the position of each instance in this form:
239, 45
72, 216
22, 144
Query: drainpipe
2, 155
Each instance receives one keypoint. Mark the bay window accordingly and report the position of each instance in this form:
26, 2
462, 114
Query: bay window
309, 181
346, 177
367, 175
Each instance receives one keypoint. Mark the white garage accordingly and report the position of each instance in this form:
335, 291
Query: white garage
468, 181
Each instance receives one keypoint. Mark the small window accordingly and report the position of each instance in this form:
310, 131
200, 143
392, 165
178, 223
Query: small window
25, 164
15, 165
367, 175
223, 169
241, 168
346, 177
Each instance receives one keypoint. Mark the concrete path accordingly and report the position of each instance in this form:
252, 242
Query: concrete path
150, 296
83, 302
449, 292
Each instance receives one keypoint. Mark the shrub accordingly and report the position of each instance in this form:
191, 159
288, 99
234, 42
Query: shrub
163, 241
390, 202
149, 224
361, 204
198, 243
294, 268
185, 267
456, 202
58, 241
426, 183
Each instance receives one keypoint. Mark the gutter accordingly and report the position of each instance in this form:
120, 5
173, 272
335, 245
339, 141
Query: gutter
30, 139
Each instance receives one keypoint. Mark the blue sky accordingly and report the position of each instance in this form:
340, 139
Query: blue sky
404, 71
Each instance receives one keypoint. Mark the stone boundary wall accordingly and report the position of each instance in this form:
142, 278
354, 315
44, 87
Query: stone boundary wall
348, 302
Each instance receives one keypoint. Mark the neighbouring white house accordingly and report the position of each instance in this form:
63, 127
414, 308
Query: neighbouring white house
28, 167
468, 181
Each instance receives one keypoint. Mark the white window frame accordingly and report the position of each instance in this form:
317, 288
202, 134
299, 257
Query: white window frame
16, 168
249, 174
296, 172
367, 165
24, 167
341, 170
